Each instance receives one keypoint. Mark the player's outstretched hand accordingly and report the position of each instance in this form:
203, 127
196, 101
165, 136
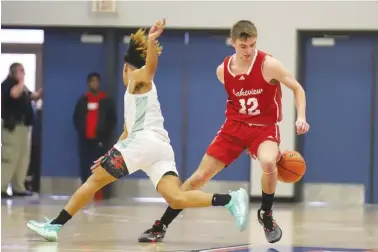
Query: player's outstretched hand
302, 126
96, 164
157, 29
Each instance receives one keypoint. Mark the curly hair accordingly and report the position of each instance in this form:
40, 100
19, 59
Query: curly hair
140, 40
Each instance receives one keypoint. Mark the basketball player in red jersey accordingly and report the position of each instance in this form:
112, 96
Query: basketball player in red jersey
252, 81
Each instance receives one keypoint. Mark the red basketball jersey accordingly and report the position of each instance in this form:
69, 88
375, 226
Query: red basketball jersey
250, 98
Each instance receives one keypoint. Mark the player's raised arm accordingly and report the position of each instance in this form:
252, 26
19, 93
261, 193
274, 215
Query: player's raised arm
220, 73
153, 48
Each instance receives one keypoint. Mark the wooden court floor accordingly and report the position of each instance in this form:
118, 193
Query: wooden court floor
114, 226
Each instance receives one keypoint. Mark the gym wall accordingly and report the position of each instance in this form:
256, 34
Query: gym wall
278, 34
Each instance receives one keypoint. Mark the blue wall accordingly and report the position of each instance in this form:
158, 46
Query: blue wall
207, 103
66, 63
339, 84
192, 99
375, 178
339, 93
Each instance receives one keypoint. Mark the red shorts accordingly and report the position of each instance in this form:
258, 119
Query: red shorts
234, 137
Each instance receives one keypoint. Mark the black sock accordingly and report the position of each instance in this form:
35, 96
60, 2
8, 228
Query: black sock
220, 199
62, 218
267, 201
169, 215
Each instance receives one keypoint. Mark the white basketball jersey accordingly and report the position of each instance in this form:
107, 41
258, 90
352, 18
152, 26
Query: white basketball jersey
142, 112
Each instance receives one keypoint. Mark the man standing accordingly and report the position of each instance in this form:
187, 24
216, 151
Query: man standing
252, 80
94, 120
16, 119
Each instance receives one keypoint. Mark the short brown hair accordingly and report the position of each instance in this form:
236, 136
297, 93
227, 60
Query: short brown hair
243, 30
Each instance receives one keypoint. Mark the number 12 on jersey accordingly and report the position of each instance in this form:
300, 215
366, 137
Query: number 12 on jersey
249, 106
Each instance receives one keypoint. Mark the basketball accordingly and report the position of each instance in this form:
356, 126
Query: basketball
291, 167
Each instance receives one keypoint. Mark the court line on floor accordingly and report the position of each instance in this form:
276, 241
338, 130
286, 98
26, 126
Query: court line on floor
116, 250
123, 218
316, 248
230, 248
139, 219
126, 218
54, 247
143, 220
78, 250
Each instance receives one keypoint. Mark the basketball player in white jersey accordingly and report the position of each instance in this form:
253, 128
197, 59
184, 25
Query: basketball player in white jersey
145, 145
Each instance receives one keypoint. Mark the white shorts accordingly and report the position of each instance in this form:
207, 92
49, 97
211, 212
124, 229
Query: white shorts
150, 152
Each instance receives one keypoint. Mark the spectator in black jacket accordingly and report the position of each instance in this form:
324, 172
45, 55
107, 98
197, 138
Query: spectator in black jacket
94, 119
16, 119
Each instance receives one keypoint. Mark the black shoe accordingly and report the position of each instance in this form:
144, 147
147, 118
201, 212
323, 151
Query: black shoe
5, 195
154, 234
23, 194
273, 232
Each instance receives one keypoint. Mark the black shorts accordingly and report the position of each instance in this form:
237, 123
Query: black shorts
114, 164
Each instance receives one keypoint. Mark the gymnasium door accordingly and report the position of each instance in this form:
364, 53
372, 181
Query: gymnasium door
25, 46
66, 63
339, 85
375, 150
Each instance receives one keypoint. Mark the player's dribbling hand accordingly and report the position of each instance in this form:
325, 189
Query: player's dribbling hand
157, 29
96, 164
302, 126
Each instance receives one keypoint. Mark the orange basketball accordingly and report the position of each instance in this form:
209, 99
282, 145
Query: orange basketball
291, 167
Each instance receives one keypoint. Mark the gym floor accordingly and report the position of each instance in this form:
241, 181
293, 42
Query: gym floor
114, 226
